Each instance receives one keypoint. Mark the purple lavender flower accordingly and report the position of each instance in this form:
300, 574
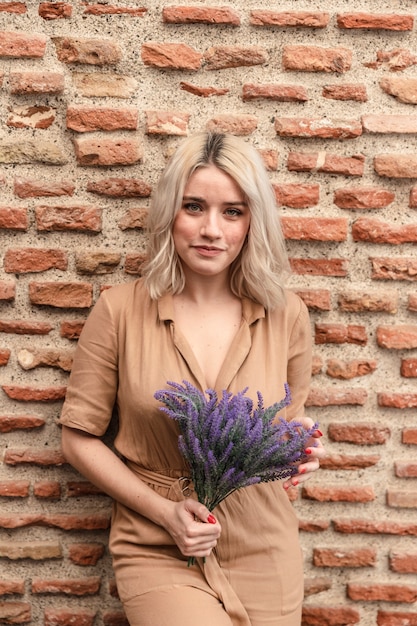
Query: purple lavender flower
228, 444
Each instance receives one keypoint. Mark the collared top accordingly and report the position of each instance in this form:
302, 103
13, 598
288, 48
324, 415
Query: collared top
129, 348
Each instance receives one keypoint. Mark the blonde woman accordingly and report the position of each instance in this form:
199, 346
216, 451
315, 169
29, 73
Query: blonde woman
211, 308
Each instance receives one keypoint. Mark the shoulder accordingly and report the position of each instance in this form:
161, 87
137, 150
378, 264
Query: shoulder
120, 296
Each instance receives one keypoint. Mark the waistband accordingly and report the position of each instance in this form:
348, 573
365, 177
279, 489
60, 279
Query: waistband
163, 480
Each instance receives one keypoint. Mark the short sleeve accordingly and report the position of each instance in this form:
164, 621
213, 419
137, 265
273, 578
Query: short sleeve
93, 381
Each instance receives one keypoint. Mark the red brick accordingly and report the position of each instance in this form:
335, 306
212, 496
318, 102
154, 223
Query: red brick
372, 527
4, 356
324, 128
17, 8
400, 337
84, 119
326, 163
340, 333
55, 10
85, 218
409, 368
384, 302
15, 612
167, 123
412, 302
61, 295
48, 489
373, 230
395, 60
329, 616
359, 433
316, 59
413, 196
107, 152
400, 268
120, 188
13, 218
23, 260
99, 52
34, 188
40, 117
397, 400
405, 469
239, 124
409, 436
21, 327
10, 423
45, 357
7, 290
71, 329
345, 92
341, 557
297, 196
9, 587
40, 458
224, 57
314, 228
22, 45
374, 21
389, 124
352, 462
299, 19
363, 198
68, 616
85, 554
80, 521
345, 370
376, 592
171, 56
403, 89
134, 262
396, 165
336, 397
203, 92
200, 15
403, 563
80, 489
338, 493
315, 299
278, 93
396, 618
319, 267
74, 587
14, 489
22, 83
114, 618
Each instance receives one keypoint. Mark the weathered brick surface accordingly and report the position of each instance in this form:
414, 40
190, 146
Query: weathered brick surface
95, 96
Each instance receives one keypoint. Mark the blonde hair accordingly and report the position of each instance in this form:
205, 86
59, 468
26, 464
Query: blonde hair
259, 270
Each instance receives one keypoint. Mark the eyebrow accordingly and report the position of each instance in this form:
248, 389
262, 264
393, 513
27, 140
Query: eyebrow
232, 203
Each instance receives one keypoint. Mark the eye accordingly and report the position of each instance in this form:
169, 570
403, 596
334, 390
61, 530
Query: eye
192, 207
233, 212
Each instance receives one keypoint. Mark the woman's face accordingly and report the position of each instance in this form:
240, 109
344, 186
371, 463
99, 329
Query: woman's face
211, 226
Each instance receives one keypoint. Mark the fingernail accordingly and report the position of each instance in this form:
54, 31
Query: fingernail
307, 451
302, 470
295, 483
211, 519
320, 434
286, 486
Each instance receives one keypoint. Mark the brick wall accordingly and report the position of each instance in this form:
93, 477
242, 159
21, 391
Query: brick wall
94, 96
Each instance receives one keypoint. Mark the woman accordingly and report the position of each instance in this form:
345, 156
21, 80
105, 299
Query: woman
210, 309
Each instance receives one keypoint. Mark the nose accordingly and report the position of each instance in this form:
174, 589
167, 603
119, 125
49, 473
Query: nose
210, 227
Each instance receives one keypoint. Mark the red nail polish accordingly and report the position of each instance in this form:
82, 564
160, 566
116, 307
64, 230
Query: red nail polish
320, 434
211, 519
302, 470
307, 451
295, 483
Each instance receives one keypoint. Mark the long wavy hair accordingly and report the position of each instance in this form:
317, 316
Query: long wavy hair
261, 267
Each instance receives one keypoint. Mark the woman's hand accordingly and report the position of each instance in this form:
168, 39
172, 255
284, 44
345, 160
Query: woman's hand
194, 529
314, 450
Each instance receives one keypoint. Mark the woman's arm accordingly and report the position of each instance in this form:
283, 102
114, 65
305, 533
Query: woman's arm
101, 466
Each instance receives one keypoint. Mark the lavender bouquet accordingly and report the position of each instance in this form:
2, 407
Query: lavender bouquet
228, 444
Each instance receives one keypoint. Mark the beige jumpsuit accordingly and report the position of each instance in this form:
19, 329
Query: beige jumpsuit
129, 348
